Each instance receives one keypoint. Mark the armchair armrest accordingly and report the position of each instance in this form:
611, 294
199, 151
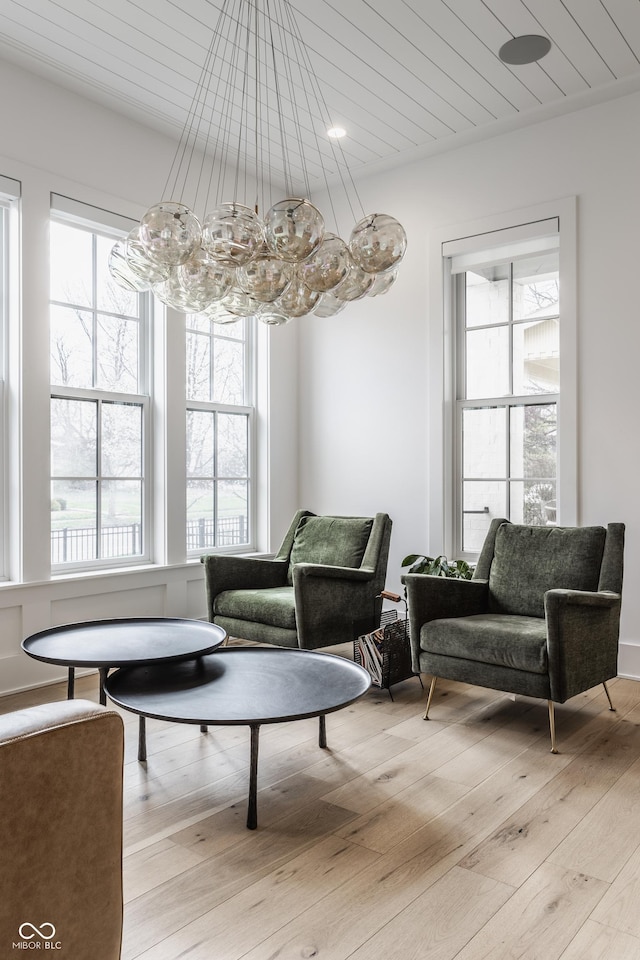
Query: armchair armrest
224, 572
582, 639
332, 573
330, 600
438, 598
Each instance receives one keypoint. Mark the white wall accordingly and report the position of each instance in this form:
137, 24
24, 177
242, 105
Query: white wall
364, 374
348, 394
55, 141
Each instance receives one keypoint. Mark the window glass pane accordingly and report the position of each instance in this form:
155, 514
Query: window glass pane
536, 357
228, 375
536, 287
110, 296
533, 502
117, 354
482, 500
71, 253
200, 443
233, 460
487, 363
233, 514
484, 438
121, 518
73, 520
121, 440
71, 341
200, 515
534, 431
198, 366
487, 295
73, 438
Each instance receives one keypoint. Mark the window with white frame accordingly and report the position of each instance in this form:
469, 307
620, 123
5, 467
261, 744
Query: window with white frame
219, 385
9, 195
506, 303
99, 400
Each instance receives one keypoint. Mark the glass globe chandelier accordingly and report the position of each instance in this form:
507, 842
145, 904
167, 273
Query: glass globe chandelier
257, 125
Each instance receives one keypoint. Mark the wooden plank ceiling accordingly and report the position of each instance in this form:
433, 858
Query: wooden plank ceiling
403, 77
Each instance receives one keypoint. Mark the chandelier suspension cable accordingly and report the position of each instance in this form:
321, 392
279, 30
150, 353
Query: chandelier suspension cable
188, 133
350, 189
288, 184
308, 74
257, 93
289, 62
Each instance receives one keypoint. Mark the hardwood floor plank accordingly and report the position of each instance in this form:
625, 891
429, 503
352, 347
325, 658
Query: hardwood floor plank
540, 919
603, 841
597, 942
265, 905
619, 906
249, 857
451, 911
402, 814
524, 840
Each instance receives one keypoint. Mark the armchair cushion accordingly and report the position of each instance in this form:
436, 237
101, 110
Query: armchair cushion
528, 561
274, 606
506, 640
333, 541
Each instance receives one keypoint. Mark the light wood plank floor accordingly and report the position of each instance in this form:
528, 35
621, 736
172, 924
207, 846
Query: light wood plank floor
461, 837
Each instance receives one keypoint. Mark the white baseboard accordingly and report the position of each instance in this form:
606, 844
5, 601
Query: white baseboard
629, 661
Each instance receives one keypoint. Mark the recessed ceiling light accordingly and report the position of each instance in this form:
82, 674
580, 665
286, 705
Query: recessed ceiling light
336, 132
525, 49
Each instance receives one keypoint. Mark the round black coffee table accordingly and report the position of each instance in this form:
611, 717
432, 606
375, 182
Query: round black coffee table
104, 644
242, 686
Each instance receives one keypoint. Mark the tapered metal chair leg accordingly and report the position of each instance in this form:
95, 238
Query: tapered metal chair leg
611, 706
429, 697
552, 727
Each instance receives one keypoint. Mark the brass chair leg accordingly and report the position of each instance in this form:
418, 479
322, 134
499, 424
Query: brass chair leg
552, 726
611, 706
429, 696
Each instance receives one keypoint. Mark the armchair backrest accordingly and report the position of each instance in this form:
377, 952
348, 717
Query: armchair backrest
525, 561
359, 542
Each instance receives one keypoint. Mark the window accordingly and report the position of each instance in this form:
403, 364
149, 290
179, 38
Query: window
99, 402
219, 434
9, 193
506, 303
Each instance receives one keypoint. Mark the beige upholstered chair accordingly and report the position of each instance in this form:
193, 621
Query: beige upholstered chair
61, 831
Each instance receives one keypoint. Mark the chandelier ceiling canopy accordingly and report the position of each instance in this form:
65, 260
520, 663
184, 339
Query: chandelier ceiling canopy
222, 241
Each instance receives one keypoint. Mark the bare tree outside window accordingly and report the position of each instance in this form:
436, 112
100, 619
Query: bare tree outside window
97, 405
218, 434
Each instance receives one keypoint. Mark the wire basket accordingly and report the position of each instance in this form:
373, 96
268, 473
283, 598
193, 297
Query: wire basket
385, 653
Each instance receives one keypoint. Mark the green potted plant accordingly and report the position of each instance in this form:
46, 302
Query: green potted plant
438, 566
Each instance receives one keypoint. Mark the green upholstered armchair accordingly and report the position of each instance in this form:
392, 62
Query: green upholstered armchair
540, 617
323, 584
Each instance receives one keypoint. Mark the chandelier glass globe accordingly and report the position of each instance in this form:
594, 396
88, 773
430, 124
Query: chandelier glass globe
272, 316
239, 304
139, 262
203, 278
294, 229
265, 277
382, 283
170, 233
232, 233
329, 306
297, 300
327, 266
377, 243
355, 284
121, 271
